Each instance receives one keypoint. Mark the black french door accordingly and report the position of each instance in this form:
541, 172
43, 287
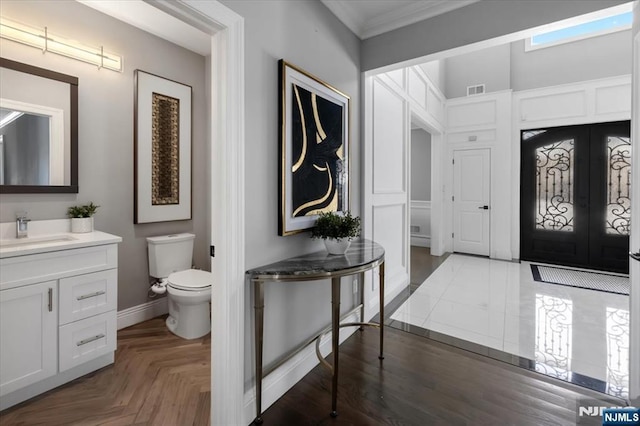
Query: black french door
575, 188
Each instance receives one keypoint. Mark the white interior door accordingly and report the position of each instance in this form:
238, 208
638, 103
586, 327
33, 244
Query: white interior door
386, 198
471, 195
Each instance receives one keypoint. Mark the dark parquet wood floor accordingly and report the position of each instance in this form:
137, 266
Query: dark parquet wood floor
423, 264
157, 379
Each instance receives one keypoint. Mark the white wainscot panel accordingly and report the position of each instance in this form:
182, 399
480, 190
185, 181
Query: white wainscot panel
397, 77
417, 88
554, 106
482, 113
389, 226
388, 140
613, 99
420, 223
435, 105
474, 136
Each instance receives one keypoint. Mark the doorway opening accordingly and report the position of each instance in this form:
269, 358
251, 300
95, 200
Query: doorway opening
423, 144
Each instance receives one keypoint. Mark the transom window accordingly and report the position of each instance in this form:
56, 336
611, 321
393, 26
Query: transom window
618, 21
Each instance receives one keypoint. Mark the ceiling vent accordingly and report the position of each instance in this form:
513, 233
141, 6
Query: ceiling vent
475, 90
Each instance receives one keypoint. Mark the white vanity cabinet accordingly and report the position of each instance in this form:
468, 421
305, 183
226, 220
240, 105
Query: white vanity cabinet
28, 330
58, 315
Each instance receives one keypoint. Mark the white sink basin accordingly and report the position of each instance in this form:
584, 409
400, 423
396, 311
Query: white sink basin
35, 241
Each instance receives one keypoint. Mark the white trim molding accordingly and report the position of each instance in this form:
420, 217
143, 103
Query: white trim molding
634, 297
421, 219
139, 313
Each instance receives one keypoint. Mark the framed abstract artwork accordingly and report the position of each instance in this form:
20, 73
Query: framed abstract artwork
314, 149
162, 149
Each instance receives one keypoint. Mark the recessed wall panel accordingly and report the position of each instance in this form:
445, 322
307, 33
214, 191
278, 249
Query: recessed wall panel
613, 99
482, 113
553, 106
389, 230
389, 137
417, 88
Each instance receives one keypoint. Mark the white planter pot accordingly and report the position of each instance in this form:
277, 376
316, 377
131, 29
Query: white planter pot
337, 246
81, 224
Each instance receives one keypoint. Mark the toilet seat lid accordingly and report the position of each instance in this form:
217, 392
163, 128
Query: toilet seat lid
191, 279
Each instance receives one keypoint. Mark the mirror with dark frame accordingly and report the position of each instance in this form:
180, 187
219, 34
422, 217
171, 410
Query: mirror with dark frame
38, 130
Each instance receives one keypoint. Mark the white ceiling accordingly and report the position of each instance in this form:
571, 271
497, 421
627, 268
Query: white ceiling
367, 18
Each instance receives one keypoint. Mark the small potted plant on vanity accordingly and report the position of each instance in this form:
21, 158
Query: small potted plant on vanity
82, 217
337, 230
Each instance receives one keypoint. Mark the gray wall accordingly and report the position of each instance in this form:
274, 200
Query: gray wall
420, 165
509, 66
479, 21
490, 67
589, 59
306, 34
106, 132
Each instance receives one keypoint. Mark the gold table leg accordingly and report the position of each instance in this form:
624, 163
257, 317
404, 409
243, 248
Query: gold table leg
335, 341
361, 290
381, 356
258, 291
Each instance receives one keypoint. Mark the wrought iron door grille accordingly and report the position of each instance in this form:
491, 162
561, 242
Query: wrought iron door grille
554, 185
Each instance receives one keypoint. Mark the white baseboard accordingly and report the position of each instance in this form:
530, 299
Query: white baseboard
420, 241
146, 311
393, 286
291, 372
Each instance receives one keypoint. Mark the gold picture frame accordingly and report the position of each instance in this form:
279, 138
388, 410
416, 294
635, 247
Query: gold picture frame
314, 149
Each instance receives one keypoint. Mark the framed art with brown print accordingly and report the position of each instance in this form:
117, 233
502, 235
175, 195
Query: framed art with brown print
162, 149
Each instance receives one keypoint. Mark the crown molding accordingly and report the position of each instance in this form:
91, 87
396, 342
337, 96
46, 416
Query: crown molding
347, 12
410, 14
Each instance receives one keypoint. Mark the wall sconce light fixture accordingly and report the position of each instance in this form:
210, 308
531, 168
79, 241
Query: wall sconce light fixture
45, 41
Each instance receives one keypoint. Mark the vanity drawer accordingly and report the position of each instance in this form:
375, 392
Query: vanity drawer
84, 340
29, 269
87, 295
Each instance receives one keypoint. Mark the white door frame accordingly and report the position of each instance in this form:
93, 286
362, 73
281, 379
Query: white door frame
226, 130
634, 269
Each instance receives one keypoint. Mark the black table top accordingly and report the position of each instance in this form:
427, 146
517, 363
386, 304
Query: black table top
361, 255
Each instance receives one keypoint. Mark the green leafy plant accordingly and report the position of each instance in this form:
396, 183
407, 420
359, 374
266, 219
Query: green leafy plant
336, 226
86, 210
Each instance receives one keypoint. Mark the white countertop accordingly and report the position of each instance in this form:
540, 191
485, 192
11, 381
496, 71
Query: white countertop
48, 235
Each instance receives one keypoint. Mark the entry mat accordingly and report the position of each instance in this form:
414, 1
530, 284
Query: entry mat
590, 280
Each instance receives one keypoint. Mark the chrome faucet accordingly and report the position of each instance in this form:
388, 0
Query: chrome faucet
21, 225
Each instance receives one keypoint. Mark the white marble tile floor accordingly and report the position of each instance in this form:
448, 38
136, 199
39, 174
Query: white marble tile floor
497, 304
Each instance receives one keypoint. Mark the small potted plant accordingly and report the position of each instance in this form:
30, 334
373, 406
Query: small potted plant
337, 230
82, 217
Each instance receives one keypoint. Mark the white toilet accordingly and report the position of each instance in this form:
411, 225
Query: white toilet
189, 289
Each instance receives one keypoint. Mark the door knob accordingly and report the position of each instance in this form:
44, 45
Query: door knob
484, 207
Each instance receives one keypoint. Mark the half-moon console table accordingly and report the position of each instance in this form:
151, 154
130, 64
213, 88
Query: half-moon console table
363, 255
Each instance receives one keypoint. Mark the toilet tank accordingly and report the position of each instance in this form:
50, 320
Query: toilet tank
170, 253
